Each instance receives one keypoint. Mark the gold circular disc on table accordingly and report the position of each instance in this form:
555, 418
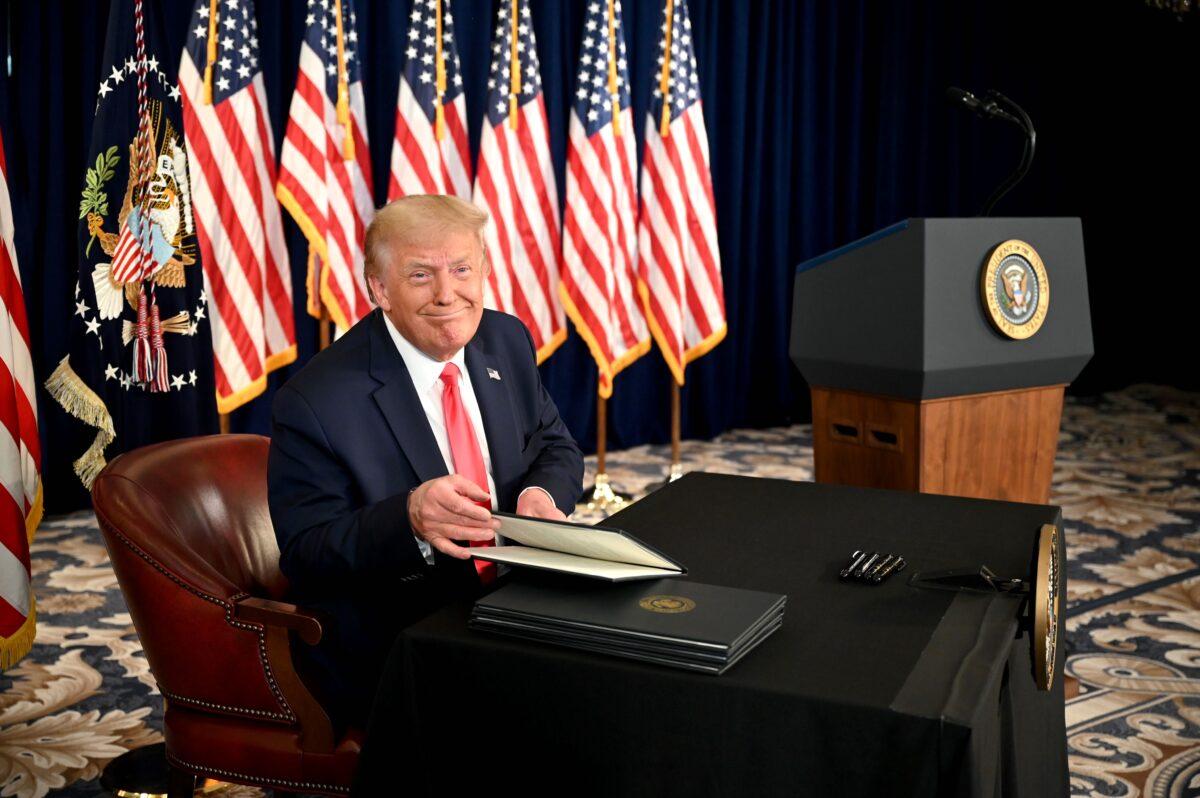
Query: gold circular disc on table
1015, 289
667, 604
1047, 607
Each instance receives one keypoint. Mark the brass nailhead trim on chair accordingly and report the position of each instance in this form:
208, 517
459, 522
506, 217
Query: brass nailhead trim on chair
204, 770
180, 699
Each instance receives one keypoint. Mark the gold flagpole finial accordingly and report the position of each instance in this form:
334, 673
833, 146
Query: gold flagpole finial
664, 83
439, 129
212, 51
514, 66
613, 88
343, 88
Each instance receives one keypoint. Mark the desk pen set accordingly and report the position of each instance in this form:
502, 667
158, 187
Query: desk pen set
871, 567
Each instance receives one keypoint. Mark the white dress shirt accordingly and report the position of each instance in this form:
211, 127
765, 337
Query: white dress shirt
426, 375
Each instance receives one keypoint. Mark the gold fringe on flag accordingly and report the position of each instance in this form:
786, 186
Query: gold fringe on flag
82, 402
17, 645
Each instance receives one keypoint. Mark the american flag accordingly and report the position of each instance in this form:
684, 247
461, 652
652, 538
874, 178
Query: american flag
516, 185
678, 260
429, 154
238, 227
599, 230
20, 452
325, 168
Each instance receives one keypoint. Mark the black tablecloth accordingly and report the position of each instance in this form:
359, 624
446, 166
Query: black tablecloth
886, 690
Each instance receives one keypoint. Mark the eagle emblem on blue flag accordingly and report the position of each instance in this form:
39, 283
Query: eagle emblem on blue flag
139, 366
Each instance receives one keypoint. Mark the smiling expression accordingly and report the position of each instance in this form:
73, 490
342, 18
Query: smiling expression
433, 292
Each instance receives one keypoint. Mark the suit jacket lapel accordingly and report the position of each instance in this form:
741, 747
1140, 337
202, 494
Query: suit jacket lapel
401, 407
499, 420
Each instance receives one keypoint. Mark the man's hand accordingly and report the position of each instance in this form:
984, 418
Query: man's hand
536, 503
444, 510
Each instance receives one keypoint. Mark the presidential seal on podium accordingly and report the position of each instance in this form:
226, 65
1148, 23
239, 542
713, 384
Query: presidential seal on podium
1015, 289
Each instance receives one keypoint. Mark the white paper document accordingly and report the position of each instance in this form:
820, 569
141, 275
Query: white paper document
576, 549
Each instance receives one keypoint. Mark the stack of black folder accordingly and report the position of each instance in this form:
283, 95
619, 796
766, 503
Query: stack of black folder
666, 621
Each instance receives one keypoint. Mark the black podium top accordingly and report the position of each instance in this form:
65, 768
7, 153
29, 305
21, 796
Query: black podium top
900, 313
886, 690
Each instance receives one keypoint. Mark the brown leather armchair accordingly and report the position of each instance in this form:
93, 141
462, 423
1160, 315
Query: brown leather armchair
190, 538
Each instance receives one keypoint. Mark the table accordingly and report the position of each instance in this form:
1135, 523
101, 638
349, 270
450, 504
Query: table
887, 690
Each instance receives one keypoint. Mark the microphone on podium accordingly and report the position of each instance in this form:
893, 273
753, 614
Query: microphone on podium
995, 105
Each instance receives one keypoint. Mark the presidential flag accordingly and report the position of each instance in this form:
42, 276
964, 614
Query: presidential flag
20, 451
429, 153
325, 168
678, 260
238, 226
139, 363
515, 184
599, 225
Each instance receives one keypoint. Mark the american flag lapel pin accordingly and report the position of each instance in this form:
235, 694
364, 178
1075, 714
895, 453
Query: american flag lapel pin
495, 375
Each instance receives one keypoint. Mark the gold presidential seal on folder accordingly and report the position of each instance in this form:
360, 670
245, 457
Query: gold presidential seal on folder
1047, 607
667, 604
1015, 289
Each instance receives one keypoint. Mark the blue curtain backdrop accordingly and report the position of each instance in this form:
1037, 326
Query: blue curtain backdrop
826, 121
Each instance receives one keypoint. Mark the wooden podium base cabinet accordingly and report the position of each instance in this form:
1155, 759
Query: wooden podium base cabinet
990, 446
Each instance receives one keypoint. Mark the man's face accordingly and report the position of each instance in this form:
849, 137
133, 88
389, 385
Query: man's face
433, 292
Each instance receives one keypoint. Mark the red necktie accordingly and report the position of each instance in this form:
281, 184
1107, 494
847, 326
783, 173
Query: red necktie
465, 452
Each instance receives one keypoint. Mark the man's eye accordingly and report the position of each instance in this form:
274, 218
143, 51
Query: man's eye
462, 270
419, 277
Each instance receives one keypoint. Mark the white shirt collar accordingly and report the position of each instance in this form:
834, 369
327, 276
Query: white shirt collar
424, 370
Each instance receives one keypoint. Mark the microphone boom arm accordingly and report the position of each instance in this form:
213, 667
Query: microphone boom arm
1014, 114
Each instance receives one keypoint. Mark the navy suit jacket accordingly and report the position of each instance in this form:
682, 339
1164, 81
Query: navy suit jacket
349, 441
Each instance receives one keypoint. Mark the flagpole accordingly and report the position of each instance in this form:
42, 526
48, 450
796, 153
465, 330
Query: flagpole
223, 420
439, 72
613, 87
323, 328
514, 69
664, 130
676, 460
676, 469
602, 496
343, 89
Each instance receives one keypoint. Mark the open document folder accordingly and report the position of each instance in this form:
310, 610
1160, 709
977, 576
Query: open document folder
594, 551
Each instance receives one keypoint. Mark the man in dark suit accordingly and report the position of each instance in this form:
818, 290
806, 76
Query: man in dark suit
391, 448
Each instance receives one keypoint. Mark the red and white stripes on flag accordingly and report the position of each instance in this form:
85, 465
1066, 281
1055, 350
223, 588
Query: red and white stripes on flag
678, 260
325, 168
429, 153
238, 226
599, 225
515, 184
20, 451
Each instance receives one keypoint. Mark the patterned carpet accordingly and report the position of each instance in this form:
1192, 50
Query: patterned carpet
1127, 477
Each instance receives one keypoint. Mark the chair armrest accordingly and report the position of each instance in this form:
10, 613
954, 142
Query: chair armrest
278, 613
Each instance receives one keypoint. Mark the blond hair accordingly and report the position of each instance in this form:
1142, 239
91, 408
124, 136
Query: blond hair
414, 220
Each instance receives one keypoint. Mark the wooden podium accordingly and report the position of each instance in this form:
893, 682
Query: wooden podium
913, 386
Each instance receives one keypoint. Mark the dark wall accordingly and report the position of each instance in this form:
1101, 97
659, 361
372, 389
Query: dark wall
826, 121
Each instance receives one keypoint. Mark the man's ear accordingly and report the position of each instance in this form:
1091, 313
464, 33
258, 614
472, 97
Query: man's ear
379, 291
